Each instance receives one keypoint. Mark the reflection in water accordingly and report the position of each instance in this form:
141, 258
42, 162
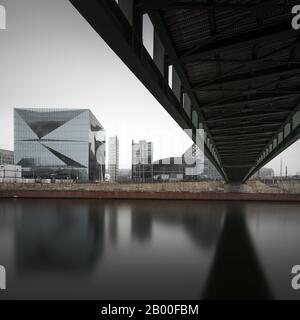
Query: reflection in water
145, 249
236, 271
141, 224
113, 222
58, 238
276, 237
202, 224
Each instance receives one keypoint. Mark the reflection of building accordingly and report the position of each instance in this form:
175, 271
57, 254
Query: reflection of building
185, 168
142, 154
141, 224
59, 143
66, 237
113, 158
6, 157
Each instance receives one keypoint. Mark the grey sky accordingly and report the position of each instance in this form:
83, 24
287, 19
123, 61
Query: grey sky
51, 57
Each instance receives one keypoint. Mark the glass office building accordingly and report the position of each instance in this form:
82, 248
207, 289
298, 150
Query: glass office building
113, 158
142, 155
59, 144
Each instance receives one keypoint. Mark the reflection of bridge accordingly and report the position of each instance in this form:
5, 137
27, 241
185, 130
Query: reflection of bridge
206, 247
231, 69
236, 272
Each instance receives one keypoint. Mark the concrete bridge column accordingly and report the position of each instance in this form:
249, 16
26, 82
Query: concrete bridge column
237, 187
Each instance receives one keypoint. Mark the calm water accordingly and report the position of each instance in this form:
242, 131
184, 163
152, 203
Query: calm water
148, 249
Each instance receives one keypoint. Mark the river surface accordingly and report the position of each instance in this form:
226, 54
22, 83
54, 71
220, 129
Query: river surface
94, 249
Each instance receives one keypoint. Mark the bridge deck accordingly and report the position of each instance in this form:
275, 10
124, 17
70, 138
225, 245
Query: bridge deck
235, 69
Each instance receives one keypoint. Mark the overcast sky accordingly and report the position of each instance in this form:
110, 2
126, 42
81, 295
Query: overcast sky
51, 57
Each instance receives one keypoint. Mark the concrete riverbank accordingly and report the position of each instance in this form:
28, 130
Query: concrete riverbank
202, 186
211, 190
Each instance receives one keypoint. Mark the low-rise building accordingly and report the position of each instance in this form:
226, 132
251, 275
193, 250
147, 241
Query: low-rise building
10, 173
6, 157
264, 173
188, 167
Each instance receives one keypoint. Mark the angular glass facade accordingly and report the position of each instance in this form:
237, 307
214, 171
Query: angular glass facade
59, 144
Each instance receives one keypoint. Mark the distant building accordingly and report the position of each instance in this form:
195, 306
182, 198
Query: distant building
209, 171
264, 173
59, 144
113, 158
188, 167
142, 155
6, 157
10, 173
124, 175
191, 166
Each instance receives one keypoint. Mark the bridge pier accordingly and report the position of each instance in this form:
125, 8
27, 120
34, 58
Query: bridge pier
236, 187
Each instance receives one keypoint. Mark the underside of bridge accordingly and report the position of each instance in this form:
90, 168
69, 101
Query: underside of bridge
231, 68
